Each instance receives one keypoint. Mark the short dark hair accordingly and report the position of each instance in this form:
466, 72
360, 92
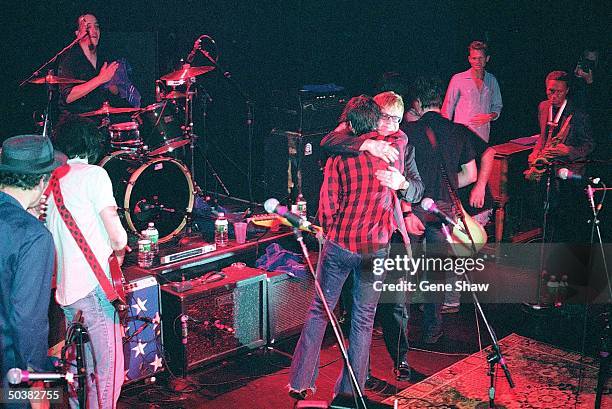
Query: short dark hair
22, 180
79, 137
429, 91
558, 76
479, 46
362, 113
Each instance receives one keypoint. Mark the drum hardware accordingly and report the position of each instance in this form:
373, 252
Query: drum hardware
106, 110
137, 189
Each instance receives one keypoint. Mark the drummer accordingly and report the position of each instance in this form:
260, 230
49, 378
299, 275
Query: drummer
85, 62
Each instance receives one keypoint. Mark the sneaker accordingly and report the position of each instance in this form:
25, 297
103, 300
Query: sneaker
403, 372
449, 309
432, 338
298, 395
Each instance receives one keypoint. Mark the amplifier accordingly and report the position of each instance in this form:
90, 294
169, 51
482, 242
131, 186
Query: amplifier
289, 299
308, 110
142, 340
224, 313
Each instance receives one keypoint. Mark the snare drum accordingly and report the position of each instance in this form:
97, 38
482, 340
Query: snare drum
156, 190
125, 135
161, 127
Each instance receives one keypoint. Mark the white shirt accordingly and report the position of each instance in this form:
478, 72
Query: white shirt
463, 100
87, 190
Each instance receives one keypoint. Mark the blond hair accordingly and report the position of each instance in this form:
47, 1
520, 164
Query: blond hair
389, 100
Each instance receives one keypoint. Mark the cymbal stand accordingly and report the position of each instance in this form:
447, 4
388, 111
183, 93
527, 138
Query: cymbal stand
46, 123
53, 59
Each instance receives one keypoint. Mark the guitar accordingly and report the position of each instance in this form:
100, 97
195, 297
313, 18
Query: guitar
460, 241
117, 281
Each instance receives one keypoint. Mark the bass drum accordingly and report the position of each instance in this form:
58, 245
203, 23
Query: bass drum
156, 190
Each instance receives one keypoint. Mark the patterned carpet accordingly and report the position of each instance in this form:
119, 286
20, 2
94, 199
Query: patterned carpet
545, 377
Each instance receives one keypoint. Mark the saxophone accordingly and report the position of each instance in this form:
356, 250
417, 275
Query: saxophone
539, 165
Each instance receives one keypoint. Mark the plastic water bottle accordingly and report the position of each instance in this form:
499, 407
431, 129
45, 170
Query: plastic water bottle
153, 235
301, 206
145, 255
221, 230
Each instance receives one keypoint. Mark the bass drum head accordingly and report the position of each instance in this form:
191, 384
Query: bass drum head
157, 190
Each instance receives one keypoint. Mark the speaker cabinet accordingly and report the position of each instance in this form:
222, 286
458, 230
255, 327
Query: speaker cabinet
142, 340
225, 314
289, 299
294, 163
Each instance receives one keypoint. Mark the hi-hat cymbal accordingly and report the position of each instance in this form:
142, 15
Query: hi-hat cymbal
54, 79
177, 95
106, 109
186, 72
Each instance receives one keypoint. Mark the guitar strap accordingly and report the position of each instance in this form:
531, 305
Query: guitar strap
54, 187
455, 201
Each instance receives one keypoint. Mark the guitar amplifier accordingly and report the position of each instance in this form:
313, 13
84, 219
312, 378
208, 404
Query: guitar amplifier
142, 340
289, 299
225, 314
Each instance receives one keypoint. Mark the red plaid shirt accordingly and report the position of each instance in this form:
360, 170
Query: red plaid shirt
355, 210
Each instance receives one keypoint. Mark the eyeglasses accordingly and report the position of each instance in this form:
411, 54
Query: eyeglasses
396, 119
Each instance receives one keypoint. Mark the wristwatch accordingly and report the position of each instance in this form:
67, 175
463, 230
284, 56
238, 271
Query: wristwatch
404, 185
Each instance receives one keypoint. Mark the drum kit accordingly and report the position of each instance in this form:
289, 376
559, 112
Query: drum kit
149, 184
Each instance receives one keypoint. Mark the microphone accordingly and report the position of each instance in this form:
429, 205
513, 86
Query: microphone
273, 206
196, 47
15, 376
429, 206
565, 174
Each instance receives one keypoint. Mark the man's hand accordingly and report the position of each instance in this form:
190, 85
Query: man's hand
559, 150
414, 225
107, 71
587, 76
481, 119
380, 149
391, 178
477, 196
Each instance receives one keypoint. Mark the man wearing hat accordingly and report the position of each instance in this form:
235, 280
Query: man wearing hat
26, 253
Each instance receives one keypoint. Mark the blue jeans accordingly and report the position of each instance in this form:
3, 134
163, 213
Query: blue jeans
103, 352
335, 267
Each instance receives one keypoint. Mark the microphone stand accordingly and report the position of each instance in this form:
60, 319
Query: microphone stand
604, 350
46, 123
77, 335
495, 357
360, 400
250, 110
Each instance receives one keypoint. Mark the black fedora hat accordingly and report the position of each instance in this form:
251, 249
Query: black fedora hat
30, 154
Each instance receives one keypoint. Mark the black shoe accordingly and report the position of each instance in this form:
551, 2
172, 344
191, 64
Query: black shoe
373, 384
432, 338
297, 395
403, 372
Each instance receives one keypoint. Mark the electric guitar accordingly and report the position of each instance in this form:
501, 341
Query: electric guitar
117, 281
460, 241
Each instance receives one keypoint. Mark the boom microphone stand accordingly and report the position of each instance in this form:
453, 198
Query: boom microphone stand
495, 357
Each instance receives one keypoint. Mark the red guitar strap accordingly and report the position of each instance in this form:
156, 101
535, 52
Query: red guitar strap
54, 187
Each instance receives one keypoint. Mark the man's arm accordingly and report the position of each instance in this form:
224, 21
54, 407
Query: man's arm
415, 189
343, 143
30, 295
450, 99
79, 91
329, 196
496, 101
478, 191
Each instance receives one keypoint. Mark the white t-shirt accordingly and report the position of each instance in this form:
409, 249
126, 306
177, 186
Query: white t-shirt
87, 189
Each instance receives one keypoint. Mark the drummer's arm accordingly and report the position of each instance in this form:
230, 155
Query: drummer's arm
79, 91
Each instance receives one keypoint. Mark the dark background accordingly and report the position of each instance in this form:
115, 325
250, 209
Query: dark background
270, 45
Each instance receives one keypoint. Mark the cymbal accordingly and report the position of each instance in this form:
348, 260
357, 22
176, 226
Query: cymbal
177, 94
54, 79
186, 72
106, 109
